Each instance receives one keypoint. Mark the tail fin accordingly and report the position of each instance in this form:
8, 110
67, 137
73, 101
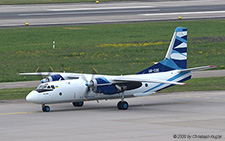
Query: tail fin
176, 56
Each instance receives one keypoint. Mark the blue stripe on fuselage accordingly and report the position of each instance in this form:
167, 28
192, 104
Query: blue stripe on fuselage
171, 79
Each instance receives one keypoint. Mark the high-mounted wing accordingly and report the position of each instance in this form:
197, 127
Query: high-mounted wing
74, 76
54, 76
39, 73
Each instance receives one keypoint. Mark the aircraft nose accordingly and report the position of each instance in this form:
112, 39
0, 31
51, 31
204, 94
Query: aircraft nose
33, 97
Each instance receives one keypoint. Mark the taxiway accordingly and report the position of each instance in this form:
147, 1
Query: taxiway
165, 116
109, 12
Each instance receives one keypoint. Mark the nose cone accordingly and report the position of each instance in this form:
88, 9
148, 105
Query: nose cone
33, 97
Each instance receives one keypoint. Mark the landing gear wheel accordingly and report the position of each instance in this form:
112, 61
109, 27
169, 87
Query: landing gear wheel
78, 104
122, 105
45, 108
119, 105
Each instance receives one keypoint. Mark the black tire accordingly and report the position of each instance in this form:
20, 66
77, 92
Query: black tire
78, 104
45, 108
122, 105
119, 105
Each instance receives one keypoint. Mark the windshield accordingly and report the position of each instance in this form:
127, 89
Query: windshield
45, 87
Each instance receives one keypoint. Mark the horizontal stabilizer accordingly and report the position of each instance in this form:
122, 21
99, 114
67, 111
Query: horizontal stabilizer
129, 79
198, 68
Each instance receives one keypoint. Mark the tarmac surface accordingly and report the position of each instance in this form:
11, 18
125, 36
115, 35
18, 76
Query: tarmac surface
165, 116
109, 12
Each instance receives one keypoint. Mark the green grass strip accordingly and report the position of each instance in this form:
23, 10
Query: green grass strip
16, 93
109, 48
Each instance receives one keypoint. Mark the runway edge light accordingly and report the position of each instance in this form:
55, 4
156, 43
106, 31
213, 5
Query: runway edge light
179, 18
26, 24
97, 2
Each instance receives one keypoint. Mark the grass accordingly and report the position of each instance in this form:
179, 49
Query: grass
16, 93
110, 49
10, 2
195, 84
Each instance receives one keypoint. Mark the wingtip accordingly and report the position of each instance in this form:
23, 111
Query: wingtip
186, 84
212, 66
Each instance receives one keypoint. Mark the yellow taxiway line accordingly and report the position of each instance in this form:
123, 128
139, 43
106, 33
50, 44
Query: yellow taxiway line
17, 113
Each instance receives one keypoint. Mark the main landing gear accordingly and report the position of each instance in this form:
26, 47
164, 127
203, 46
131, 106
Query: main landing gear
45, 108
78, 104
122, 105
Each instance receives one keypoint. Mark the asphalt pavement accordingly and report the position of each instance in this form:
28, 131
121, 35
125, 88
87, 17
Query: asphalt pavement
109, 12
165, 116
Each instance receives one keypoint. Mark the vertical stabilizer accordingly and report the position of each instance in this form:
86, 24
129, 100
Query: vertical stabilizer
176, 56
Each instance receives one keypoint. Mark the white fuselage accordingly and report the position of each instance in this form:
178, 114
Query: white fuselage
75, 90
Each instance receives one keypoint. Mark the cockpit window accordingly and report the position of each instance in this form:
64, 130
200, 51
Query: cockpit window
45, 87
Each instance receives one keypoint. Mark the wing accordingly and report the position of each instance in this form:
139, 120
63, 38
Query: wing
69, 75
40, 73
74, 76
130, 79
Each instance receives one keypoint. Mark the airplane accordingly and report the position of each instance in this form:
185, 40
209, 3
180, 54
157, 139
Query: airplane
77, 88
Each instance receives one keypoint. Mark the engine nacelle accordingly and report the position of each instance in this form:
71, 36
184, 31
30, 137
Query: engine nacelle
102, 85
50, 78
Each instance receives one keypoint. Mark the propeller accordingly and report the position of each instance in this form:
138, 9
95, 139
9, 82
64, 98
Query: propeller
89, 83
46, 79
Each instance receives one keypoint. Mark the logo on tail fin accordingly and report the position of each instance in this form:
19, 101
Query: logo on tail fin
176, 56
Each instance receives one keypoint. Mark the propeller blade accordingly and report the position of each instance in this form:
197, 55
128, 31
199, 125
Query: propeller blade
84, 77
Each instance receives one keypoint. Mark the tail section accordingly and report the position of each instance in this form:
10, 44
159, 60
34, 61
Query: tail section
176, 56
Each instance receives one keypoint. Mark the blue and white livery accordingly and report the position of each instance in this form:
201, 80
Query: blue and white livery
77, 88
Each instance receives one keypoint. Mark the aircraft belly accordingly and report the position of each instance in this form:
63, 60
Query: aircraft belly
102, 97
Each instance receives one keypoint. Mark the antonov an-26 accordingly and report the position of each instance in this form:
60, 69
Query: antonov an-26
77, 88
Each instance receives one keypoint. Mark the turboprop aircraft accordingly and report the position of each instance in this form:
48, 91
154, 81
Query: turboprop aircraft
85, 87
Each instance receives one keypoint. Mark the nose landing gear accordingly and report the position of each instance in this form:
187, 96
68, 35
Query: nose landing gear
45, 108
